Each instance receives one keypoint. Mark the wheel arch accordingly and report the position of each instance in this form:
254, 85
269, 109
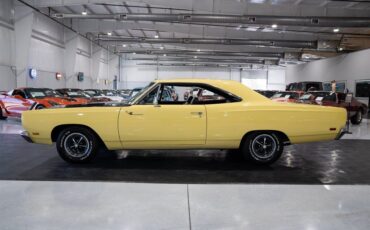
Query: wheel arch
281, 135
58, 129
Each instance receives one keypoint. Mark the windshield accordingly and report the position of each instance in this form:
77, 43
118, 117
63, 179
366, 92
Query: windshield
35, 93
287, 95
137, 93
93, 93
51, 93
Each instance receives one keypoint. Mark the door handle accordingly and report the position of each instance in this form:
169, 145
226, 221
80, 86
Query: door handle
132, 113
197, 113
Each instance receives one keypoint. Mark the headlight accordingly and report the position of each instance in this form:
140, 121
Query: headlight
53, 103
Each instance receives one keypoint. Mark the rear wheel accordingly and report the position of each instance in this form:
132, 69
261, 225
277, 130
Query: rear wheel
77, 145
262, 148
357, 118
1, 115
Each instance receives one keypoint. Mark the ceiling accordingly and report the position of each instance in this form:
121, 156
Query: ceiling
218, 31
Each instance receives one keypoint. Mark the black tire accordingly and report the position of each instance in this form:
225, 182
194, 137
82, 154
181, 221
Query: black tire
357, 118
39, 107
77, 145
1, 115
262, 148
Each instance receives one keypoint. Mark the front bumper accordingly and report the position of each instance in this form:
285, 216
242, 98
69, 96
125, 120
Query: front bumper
26, 136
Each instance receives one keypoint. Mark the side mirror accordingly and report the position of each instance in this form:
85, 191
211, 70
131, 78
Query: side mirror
349, 97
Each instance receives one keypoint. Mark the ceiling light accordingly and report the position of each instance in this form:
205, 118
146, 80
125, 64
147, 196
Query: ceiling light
161, 47
156, 36
195, 57
123, 45
198, 50
84, 12
274, 26
164, 55
340, 48
239, 27
109, 33
336, 30
133, 53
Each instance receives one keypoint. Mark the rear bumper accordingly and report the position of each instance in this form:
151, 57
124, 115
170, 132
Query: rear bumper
342, 132
26, 136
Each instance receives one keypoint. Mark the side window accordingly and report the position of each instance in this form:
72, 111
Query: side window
189, 94
150, 98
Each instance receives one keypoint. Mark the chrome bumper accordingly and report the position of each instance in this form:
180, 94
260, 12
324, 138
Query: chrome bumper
26, 136
342, 132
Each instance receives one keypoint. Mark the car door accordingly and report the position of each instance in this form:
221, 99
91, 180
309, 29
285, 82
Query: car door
153, 124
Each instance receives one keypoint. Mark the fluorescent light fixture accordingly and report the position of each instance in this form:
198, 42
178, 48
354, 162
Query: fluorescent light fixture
198, 50
336, 30
109, 33
164, 55
239, 27
156, 36
133, 53
161, 47
124, 45
84, 12
195, 57
274, 26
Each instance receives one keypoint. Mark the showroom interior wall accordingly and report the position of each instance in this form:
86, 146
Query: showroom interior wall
139, 75
31, 40
349, 67
7, 59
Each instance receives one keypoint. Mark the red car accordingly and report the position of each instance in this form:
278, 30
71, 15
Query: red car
356, 110
287, 96
13, 107
44, 97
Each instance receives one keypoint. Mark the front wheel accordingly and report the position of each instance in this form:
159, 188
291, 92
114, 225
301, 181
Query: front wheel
39, 107
262, 148
77, 145
357, 118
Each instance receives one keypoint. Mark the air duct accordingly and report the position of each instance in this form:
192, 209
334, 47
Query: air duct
309, 21
250, 42
204, 53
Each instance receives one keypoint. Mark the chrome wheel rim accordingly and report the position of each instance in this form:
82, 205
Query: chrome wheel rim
77, 145
263, 146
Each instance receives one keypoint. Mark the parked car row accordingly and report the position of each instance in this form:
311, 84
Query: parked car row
356, 110
14, 102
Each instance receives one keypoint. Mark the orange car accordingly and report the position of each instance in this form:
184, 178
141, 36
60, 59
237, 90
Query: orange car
44, 97
287, 96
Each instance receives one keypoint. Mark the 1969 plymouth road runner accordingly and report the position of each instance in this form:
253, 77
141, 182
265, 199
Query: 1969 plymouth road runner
185, 114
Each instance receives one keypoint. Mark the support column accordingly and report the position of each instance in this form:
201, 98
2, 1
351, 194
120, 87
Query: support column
97, 55
23, 31
70, 59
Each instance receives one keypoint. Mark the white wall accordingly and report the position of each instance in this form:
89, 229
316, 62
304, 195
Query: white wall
137, 76
47, 53
7, 74
347, 67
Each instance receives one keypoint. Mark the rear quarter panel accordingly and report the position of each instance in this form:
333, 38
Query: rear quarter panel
103, 120
301, 123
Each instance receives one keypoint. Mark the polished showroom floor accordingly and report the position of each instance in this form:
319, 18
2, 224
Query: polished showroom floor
313, 186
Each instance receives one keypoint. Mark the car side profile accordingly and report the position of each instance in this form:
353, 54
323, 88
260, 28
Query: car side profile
218, 114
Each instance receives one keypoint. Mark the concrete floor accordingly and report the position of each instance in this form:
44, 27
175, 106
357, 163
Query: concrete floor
35, 204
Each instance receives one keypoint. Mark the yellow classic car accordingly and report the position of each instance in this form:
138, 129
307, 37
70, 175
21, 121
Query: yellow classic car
185, 114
